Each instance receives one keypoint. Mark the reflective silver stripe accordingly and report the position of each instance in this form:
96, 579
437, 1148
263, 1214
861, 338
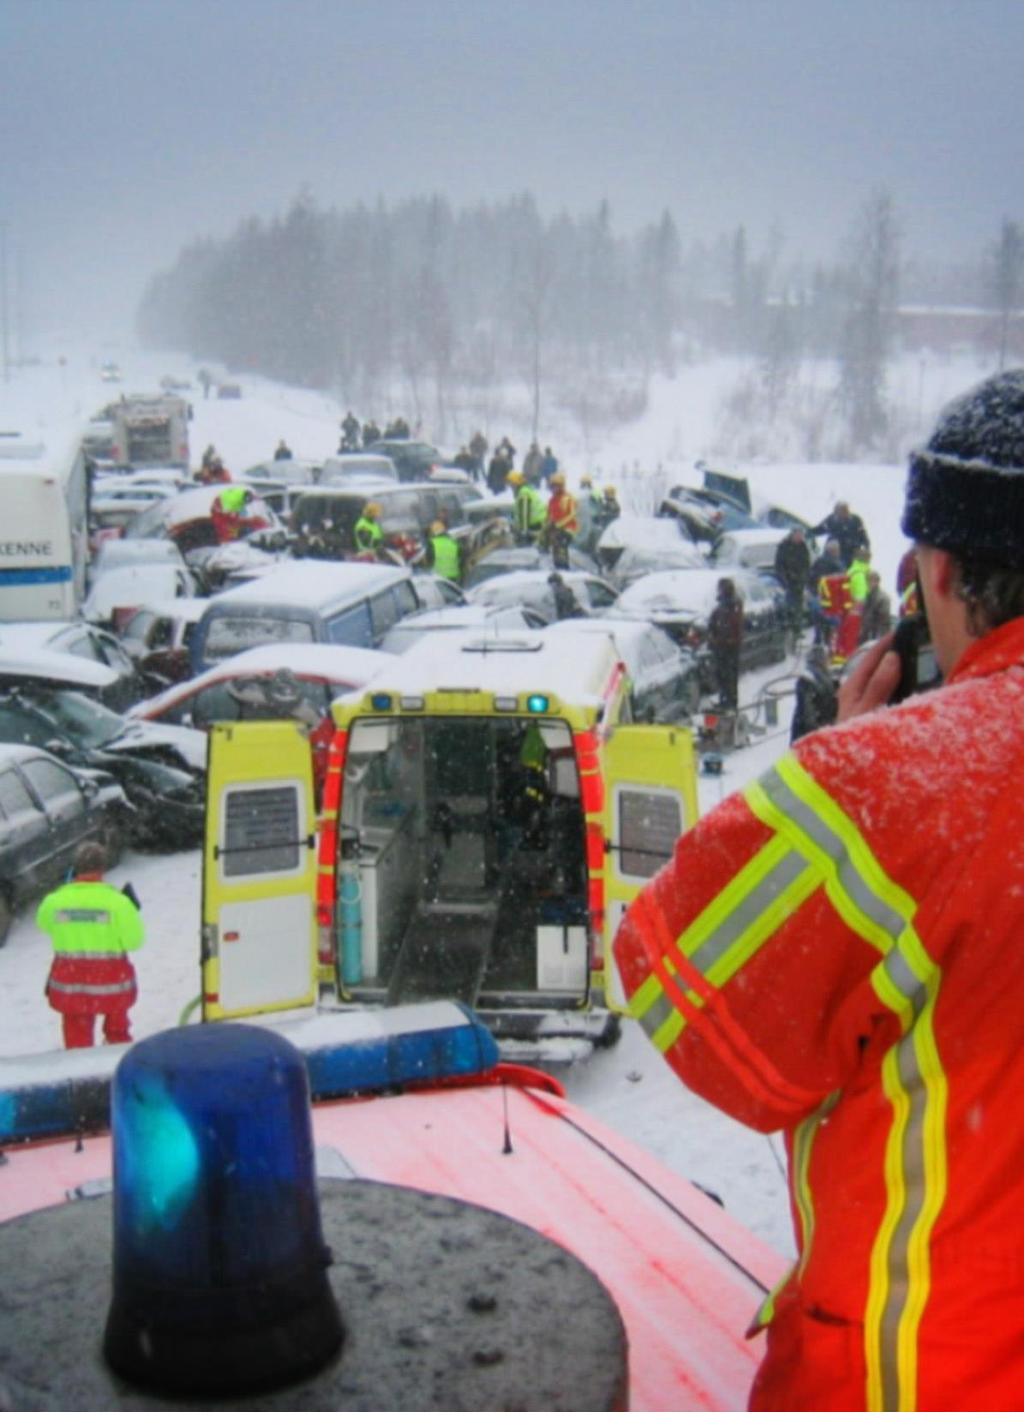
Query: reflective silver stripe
804, 818
89, 955
655, 1016
907, 981
83, 914
81, 988
746, 913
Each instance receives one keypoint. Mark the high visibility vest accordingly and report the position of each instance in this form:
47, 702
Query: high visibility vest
232, 501
857, 574
90, 919
562, 513
530, 510
834, 594
834, 952
367, 534
446, 556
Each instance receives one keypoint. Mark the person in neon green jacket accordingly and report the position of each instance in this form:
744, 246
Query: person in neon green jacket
93, 927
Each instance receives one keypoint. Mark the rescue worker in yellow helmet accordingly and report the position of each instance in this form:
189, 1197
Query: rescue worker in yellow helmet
443, 552
530, 511
562, 521
368, 535
609, 508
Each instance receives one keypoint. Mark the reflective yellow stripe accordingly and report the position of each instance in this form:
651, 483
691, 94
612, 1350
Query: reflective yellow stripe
907, 981
730, 930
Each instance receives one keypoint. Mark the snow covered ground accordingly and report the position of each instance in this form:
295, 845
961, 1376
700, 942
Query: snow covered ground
629, 1087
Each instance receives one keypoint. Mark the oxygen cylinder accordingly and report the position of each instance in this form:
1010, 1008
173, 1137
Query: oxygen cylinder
351, 908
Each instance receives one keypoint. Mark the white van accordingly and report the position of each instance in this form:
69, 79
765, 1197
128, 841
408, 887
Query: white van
349, 604
44, 535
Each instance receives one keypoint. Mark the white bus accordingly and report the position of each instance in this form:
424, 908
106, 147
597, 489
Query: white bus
44, 544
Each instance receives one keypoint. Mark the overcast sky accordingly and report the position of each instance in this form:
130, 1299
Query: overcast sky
132, 126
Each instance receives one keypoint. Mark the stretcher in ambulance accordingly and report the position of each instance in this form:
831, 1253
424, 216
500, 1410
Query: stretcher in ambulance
489, 811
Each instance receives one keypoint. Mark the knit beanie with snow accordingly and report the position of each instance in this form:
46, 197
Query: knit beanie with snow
965, 490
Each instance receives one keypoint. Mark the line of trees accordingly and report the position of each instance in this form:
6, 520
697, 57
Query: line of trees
453, 306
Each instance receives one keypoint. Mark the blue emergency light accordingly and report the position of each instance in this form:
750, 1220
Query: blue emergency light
537, 704
220, 1269
381, 701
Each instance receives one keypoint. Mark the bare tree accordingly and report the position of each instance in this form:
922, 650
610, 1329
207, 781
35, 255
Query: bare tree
872, 289
537, 273
1007, 279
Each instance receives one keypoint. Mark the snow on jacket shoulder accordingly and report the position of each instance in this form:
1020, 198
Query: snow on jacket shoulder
837, 952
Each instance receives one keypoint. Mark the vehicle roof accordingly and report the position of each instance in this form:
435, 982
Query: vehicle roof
355, 665
45, 664
676, 588
16, 752
306, 583
455, 615
148, 579
511, 663
366, 489
185, 609
646, 532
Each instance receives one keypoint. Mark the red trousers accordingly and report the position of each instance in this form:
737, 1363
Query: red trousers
78, 1029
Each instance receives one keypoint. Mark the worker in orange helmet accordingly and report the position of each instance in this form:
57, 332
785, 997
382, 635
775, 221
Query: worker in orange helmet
835, 953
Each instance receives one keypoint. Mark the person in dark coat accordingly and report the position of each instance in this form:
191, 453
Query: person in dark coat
282, 452
497, 472
349, 433
793, 568
548, 465
848, 530
725, 636
478, 450
371, 433
566, 603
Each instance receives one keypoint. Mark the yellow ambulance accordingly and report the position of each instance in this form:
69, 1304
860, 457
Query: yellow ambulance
489, 811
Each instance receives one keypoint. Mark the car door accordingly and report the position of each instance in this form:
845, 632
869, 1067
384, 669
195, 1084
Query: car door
27, 845
66, 809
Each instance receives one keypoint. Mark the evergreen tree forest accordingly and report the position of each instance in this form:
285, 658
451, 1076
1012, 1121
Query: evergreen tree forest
450, 307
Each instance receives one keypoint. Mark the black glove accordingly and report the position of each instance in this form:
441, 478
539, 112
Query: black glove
132, 896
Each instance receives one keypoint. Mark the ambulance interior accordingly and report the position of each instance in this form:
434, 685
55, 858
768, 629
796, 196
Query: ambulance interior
463, 870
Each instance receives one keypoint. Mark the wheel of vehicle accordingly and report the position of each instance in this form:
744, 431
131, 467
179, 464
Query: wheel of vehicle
6, 916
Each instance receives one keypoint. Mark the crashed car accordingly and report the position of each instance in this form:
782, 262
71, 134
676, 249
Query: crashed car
46, 810
161, 769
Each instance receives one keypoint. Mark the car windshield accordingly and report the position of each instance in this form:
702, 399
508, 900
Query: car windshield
82, 720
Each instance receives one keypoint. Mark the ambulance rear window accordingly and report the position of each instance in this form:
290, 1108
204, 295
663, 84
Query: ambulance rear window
649, 824
261, 831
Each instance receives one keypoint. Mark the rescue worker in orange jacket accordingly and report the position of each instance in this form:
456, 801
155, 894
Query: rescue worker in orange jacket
93, 927
563, 525
837, 952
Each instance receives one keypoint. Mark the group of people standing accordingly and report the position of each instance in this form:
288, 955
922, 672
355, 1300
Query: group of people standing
356, 436
839, 590
562, 520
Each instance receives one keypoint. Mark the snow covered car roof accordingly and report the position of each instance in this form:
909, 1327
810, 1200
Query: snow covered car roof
678, 591
308, 581
647, 532
347, 666
751, 548
26, 656
132, 585
485, 617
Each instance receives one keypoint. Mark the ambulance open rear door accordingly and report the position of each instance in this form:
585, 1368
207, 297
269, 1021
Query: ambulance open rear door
650, 799
259, 939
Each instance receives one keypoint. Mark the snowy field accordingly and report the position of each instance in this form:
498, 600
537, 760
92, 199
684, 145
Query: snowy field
629, 1087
